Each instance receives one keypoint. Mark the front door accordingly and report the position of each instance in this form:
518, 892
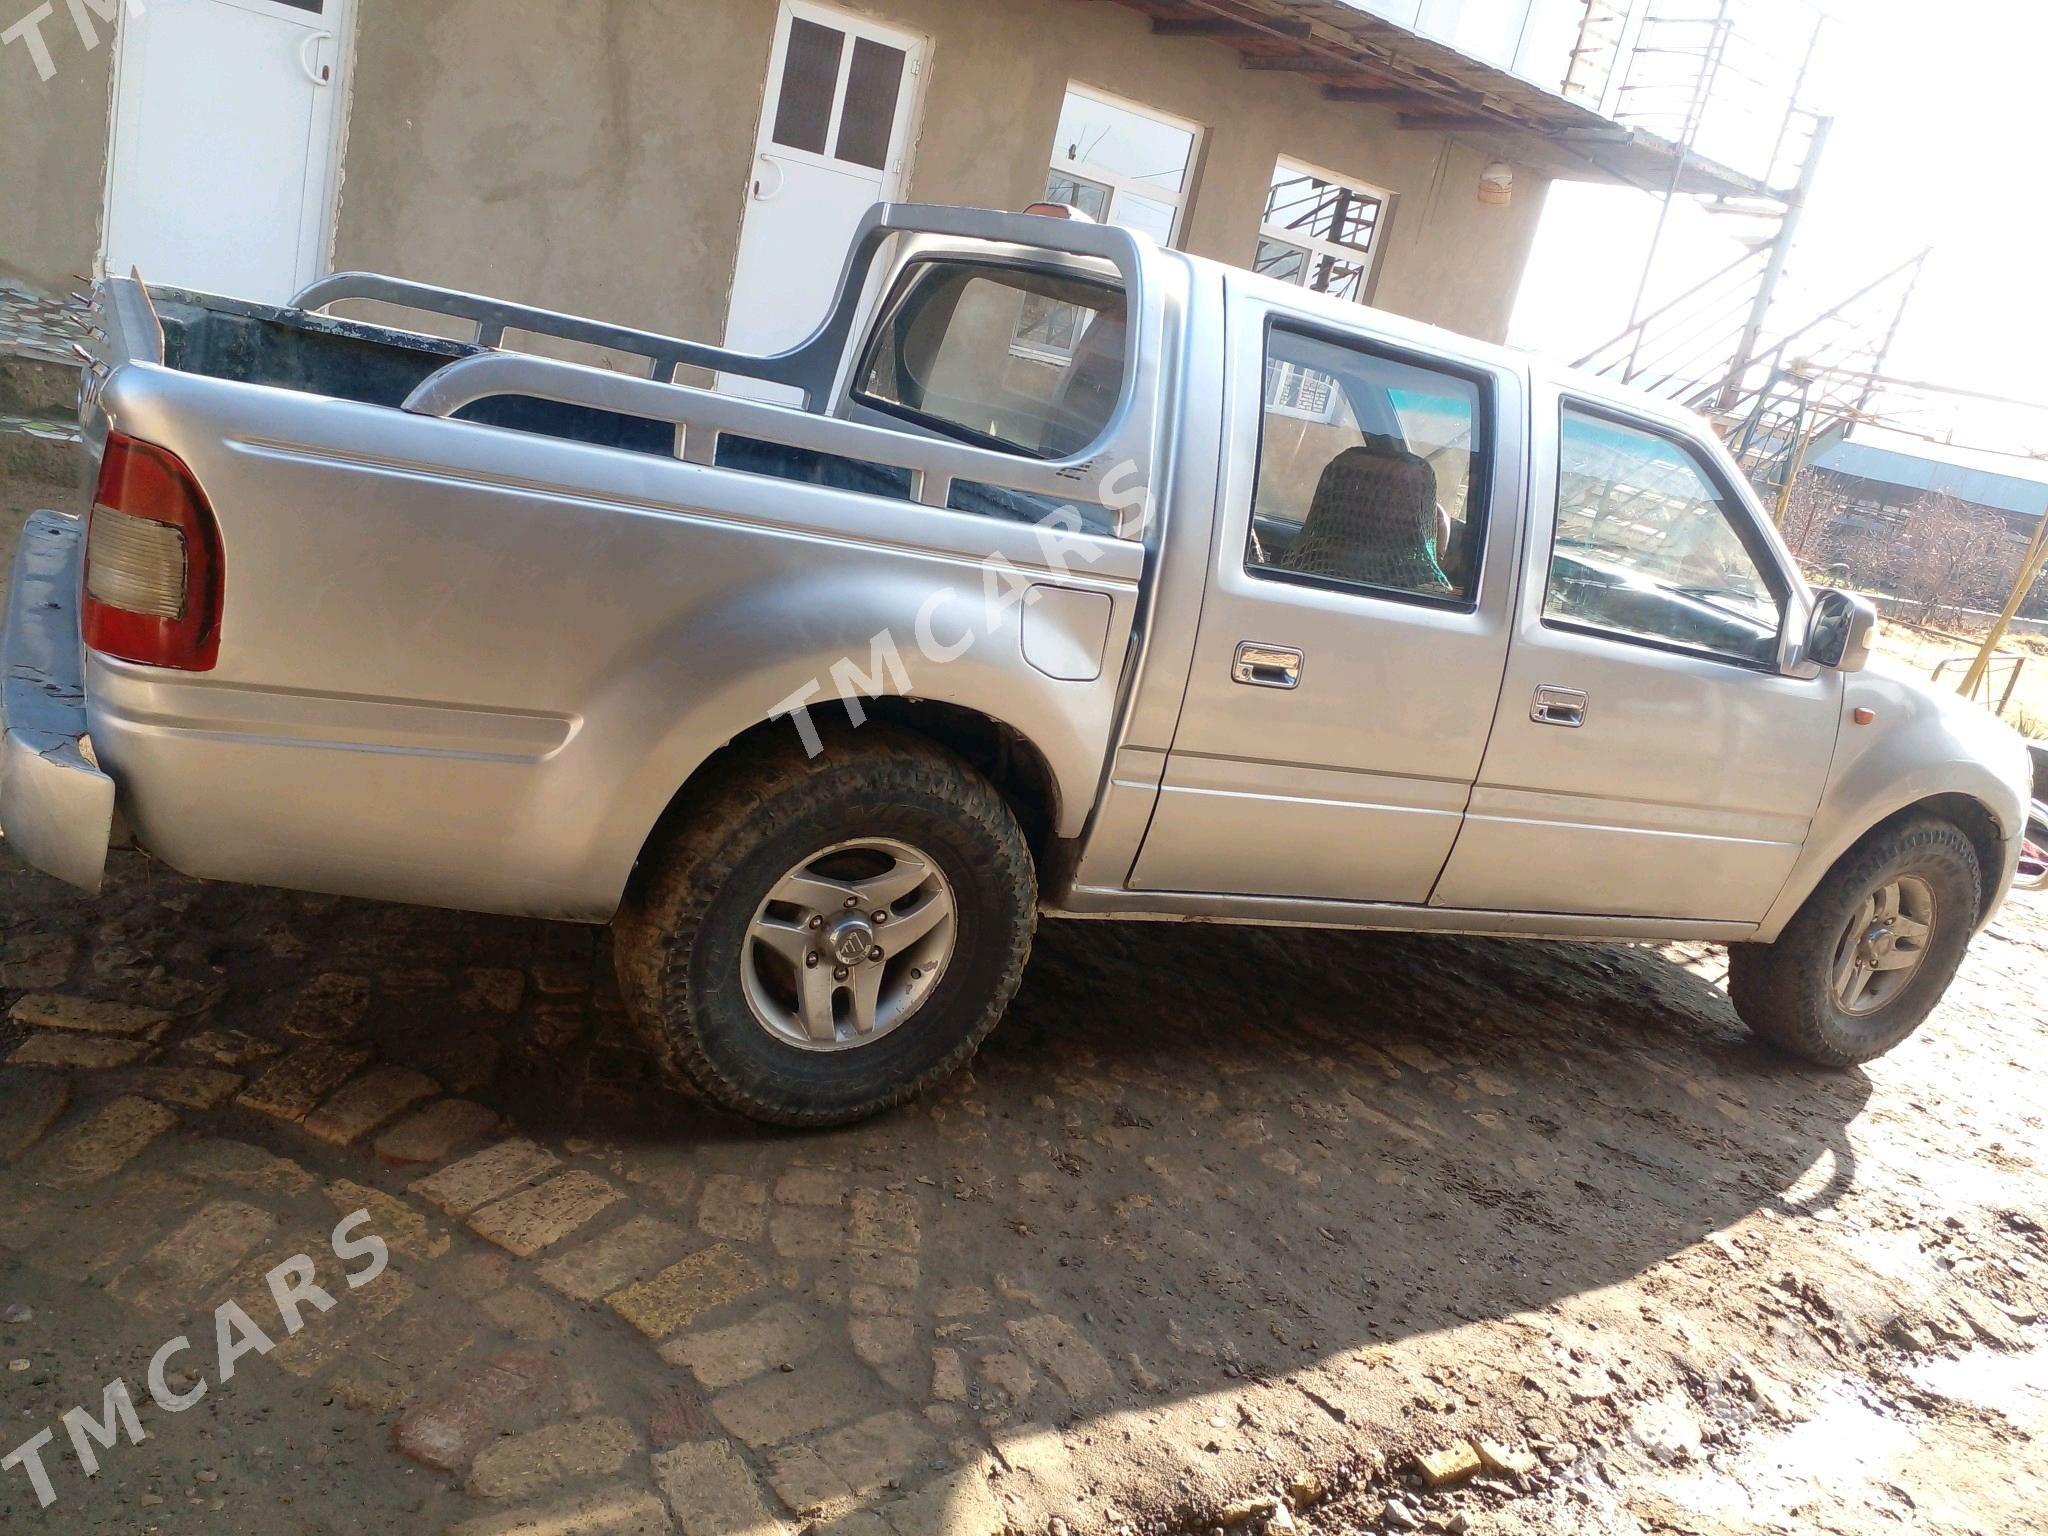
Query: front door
835, 136
1355, 628
227, 116
1650, 758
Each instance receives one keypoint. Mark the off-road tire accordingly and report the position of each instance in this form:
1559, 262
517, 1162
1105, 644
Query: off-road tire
678, 936
1785, 992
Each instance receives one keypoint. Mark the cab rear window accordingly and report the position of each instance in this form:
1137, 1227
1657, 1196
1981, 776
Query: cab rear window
1016, 359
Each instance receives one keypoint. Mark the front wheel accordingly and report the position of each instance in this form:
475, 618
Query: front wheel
825, 938
1871, 952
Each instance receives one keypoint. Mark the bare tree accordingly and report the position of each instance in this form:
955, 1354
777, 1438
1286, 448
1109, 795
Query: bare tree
1813, 513
1947, 554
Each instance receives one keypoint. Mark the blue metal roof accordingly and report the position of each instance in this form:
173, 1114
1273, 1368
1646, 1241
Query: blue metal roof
1912, 471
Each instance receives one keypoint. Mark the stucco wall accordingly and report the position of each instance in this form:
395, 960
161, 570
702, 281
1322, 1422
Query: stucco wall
593, 154
53, 152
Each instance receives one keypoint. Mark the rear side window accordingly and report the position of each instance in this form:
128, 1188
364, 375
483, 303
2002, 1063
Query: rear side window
1021, 361
1372, 471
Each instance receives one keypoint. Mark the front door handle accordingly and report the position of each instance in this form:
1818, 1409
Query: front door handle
1558, 706
309, 50
1267, 666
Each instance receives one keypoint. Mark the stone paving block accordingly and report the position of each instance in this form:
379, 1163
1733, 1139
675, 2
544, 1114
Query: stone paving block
808, 1232
811, 1186
668, 1302
28, 1108
492, 990
788, 1405
246, 1167
438, 1131
710, 1492
542, 1216
291, 1089
631, 1251
175, 1272
382, 1371
884, 1219
329, 1007
896, 1270
104, 1144
192, 1087
876, 1450
949, 1376
525, 1314
231, 1047
562, 975
733, 1207
1064, 1355
880, 1340
878, 1298
462, 1416
490, 1174
361, 1105
621, 1510
49, 1010
805, 1484
86, 1053
403, 1229
356, 1317
37, 962
553, 1454
775, 1336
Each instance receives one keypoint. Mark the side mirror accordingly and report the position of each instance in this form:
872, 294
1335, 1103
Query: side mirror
1841, 631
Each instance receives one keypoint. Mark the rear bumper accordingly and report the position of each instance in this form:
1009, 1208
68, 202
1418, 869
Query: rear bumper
56, 806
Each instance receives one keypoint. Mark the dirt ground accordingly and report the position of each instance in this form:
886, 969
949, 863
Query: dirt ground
1225, 1229
1221, 1216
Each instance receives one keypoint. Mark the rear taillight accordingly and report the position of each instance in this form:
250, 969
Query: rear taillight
152, 562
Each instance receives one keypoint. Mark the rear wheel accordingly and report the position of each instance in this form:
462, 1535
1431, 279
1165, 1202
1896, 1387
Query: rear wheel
1871, 952
826, 938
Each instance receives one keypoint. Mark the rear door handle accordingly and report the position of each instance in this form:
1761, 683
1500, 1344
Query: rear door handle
1267, 666
1558, 706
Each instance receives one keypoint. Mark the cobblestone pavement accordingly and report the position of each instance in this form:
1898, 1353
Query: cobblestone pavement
1224, 1227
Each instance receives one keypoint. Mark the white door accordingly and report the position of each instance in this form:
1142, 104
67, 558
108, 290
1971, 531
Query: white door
836, 128
226, 122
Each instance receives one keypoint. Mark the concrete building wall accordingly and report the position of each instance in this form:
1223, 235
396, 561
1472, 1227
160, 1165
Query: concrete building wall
593, 155
53, 153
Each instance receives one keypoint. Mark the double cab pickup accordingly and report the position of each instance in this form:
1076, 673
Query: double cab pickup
1055, 574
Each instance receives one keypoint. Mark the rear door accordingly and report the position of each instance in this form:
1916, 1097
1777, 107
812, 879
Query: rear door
1355, 627
1650, 759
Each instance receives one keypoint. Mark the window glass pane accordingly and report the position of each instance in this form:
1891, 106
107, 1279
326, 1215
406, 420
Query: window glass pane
1332, 275
1365, 471
1091, 199
868, 120
1123, 142
1321, 210
1145, 214
1645, 546
1282, 261
1028, 362
810, 78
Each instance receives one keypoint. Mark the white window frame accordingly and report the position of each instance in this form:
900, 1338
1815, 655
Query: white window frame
1118, 185
1316, 249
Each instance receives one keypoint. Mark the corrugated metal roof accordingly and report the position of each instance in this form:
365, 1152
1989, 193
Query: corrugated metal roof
1920, 472
1362, 58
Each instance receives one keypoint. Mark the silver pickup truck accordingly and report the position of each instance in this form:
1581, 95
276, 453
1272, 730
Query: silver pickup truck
1056, 573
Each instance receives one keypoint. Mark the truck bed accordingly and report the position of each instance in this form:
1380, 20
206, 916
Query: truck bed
318, 354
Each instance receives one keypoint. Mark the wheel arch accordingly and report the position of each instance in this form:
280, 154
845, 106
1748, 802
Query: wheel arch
1002, 754
1968, 813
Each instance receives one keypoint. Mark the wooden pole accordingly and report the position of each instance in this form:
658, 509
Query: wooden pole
2030, 567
